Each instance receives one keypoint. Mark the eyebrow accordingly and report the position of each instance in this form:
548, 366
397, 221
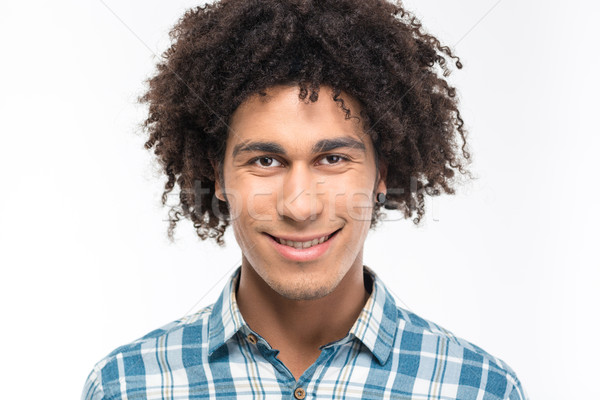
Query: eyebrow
321, 145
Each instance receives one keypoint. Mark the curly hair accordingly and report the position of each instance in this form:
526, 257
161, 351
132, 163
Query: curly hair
373, 50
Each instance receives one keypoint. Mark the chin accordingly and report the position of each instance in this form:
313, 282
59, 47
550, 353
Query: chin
304, 287
304, 293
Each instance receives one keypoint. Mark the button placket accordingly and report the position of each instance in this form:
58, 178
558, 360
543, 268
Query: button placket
252, 338
299, 393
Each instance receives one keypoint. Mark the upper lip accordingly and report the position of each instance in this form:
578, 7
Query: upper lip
303, 238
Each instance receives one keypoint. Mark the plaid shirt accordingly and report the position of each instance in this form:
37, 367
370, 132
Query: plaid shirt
389, 353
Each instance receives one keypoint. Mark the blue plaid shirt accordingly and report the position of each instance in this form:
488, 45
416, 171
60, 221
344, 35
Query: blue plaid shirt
389, 353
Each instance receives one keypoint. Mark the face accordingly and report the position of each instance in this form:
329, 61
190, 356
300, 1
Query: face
300, 180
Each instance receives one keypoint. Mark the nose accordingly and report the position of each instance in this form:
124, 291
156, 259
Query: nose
301, 196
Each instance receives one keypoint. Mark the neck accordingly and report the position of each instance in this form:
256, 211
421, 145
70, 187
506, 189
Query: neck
301, 324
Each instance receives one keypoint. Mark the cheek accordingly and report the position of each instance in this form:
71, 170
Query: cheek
255, 199
352, 197
261, 205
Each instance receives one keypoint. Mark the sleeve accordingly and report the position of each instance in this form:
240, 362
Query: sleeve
518, 392
92, 390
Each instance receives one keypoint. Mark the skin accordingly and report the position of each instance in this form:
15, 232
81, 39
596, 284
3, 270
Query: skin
299, 306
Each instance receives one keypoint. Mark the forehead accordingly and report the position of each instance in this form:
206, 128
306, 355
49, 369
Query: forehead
283, 117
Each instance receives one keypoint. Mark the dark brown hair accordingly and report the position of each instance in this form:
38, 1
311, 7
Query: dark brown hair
374, 50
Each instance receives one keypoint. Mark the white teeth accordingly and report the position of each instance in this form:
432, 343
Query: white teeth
303, 245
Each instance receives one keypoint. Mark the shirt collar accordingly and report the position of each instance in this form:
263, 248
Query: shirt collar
375, 326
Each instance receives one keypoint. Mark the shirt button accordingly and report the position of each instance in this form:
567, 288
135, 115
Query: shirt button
252, 339
299, 393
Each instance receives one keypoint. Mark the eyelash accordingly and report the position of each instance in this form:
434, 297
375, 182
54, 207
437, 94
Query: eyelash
255, 159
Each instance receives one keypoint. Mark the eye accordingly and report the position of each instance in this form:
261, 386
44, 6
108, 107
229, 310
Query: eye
263, 161
334, 159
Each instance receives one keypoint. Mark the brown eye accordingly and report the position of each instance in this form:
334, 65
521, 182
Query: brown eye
264, 161
333, 159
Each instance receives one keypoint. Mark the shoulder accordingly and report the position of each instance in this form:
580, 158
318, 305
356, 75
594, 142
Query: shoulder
150, 354
439, 351
171, 335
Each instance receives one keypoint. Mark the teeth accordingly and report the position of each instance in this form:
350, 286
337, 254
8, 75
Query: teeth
303, 245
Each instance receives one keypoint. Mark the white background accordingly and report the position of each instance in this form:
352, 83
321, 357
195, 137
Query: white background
510, 264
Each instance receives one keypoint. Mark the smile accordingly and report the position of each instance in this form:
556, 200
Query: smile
304, 245
305, 250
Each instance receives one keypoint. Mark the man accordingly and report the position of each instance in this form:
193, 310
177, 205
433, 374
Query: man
294, 122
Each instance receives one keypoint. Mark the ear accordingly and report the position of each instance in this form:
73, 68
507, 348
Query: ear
381, 187
218, 188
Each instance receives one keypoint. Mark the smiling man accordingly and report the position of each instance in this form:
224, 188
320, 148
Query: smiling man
294, 122
304, 177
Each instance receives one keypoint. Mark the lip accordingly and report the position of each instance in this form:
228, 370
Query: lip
309, 254
304, 238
